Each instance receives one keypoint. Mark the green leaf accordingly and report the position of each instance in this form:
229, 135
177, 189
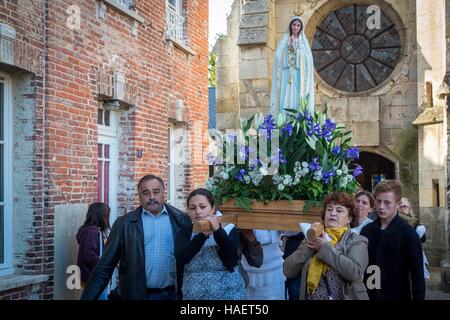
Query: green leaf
296, 156
325, 162
319, 149
244, 203
280, 120
248, 124
304, 103
312, 142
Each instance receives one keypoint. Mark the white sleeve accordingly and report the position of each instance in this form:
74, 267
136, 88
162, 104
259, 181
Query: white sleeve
420, 229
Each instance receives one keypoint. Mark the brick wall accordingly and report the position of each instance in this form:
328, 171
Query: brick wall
65, 143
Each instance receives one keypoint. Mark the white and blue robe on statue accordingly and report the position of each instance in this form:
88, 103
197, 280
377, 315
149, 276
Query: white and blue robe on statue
292, 74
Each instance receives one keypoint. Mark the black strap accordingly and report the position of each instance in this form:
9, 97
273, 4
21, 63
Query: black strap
330, 297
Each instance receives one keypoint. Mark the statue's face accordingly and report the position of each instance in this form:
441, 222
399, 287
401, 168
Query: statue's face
296, 27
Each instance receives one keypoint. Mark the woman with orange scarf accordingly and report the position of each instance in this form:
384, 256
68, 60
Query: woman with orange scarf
332, 269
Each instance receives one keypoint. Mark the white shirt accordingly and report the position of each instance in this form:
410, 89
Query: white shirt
361, 225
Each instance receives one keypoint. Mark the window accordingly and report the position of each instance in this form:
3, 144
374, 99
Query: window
5, 177
175, 5
435, 195
128, 4
350, 57
104, 117
104, 160
106, 157
108, 163
175, 22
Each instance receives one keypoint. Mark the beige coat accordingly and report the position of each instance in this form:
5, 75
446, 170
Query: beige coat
350, 260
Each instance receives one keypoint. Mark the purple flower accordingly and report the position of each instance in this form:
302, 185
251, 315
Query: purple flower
308, 116
278, 158
253, 162
240, 175
358, 171
336, 150
326, 176
352, 153
233, 135
300, 116
329, 125
314, 165
327, 130
211, 159
282, 158
269, 125
245, 151
288, 128
317, 129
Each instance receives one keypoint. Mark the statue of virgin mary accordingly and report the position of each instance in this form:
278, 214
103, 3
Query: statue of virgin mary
292, 71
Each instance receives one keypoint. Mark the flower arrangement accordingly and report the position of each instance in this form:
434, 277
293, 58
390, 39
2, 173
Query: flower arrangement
314, 158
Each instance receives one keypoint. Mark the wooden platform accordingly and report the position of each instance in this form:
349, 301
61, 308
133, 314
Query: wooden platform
276, 215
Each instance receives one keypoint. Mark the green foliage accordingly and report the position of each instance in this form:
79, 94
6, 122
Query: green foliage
315, 158
212, 69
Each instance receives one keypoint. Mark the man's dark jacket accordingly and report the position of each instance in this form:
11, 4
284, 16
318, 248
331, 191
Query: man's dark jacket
398, 252
126, 244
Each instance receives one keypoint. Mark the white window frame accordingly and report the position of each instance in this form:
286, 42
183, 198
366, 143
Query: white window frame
111, 130
178, 8
175, 26
171, 167
6, 268
110, 135
124, 3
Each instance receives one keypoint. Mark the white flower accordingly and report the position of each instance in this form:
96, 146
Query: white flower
338, 172
276, 179
343, 182
263, 171
318, 175
225, 175
281, 187
344, 169
209, 184
247, 179
287, 180
305, 164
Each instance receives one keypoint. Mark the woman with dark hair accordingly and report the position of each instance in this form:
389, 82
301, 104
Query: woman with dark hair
91, 238
210, 259
332, 269
364, 204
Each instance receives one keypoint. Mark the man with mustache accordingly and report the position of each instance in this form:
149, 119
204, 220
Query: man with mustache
144, 241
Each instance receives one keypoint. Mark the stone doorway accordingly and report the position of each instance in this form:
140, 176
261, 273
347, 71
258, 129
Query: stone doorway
375, 169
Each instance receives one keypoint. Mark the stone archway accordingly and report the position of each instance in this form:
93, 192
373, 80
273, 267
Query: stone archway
375, 167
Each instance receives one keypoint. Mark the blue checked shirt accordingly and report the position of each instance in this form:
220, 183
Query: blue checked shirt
158, 246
